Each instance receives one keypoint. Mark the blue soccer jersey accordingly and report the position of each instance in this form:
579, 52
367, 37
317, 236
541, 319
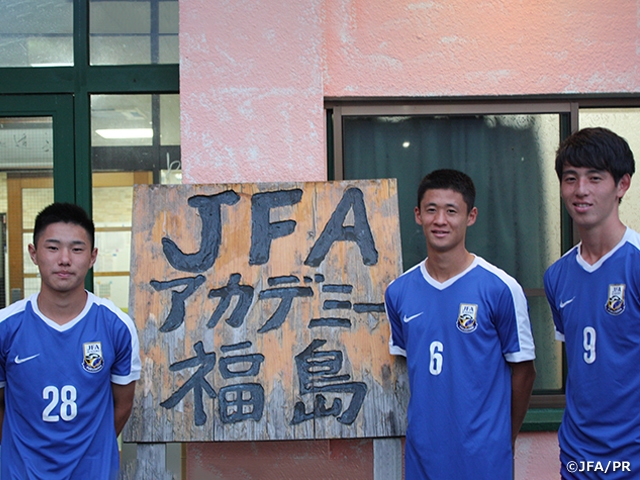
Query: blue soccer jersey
458, 337
596, 310
59, 419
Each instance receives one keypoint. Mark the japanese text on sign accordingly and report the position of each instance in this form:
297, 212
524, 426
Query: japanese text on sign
260, 308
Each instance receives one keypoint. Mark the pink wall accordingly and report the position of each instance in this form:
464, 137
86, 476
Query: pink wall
251, 91
254, 75
460, 48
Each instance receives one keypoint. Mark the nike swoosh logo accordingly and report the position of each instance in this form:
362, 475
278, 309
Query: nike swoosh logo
564, 304
408, 319
22, 360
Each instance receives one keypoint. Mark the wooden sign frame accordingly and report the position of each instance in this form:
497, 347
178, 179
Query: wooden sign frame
260, 312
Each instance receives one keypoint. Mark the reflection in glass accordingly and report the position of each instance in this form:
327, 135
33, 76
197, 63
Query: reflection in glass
509, 158
36, 33
135, 140
121, 120
26, 187
134, 32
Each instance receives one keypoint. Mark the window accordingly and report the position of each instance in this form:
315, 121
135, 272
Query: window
135, 139
134, 32
36, 33
101, 114
509, 151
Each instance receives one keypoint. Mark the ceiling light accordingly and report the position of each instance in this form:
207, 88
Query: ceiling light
125, 133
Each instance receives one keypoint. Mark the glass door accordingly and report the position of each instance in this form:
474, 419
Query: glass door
36, 167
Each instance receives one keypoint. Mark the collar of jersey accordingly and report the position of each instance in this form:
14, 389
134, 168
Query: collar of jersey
442, 285
592, 268
61, 328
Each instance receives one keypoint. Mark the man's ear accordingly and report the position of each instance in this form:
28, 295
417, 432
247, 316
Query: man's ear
416, 212
94, 256
32, 253
623, 185
472, 217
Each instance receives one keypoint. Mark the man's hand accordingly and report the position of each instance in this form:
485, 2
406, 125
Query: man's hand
522, 376
122, 404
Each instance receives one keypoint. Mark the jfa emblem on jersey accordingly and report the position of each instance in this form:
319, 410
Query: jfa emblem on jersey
615, 303
467, 318
93, 361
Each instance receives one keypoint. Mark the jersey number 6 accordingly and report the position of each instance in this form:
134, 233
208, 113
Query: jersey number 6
435, 358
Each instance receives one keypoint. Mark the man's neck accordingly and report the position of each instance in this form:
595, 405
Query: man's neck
443, 266
597, 242
61, 307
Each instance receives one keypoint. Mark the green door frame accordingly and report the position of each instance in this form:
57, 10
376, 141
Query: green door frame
60, 108
65, 93
79, 82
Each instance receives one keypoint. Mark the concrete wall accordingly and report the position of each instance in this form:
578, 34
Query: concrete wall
251, 91
461, 48
254, 75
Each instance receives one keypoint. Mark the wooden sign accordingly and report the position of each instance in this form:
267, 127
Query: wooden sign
260, 311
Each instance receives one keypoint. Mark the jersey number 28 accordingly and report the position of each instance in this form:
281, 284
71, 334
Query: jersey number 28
66, 397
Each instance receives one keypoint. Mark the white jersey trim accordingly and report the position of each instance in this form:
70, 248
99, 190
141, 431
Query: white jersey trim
629, 237
395, 350
442, 285
33, 299
525, 337
136, 366
134, 372
12, 309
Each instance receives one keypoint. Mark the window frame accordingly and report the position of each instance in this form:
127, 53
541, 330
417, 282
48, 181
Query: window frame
81, 81
72, 172
546, 409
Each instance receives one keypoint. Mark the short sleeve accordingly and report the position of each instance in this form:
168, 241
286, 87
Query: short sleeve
396, 338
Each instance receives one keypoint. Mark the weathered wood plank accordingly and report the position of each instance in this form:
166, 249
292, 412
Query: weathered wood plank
306, 356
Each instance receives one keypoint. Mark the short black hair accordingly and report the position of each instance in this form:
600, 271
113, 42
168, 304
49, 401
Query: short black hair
449, 179
597, 148
63, 212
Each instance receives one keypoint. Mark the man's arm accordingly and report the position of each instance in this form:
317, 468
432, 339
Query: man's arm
122, 403
1, 411
522, 376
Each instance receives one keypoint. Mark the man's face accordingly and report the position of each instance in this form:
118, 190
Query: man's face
63, 256
591, 196
443, 216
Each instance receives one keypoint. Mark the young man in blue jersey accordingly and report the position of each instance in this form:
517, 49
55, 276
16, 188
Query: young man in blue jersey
68, 362
594, 294
463, 326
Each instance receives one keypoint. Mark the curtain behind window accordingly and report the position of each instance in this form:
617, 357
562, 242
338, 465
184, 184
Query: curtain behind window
502, 159
511, 161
